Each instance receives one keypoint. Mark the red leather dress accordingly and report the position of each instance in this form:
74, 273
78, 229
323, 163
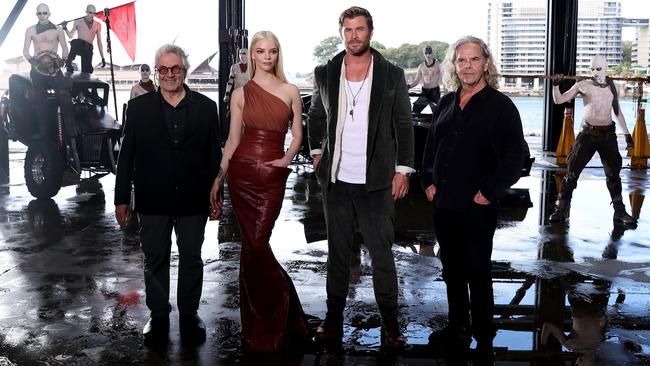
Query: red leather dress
271, 314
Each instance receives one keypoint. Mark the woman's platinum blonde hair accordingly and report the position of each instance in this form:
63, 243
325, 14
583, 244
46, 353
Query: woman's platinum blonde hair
449, 76
278, 69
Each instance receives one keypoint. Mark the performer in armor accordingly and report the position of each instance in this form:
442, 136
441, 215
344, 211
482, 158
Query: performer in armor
597, 135
238, 74
429, 74
46, 71
87, 28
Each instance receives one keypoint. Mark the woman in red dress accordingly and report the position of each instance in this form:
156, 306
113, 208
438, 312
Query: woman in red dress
257, 166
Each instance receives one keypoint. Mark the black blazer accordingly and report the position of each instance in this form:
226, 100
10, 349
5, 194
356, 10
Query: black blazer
168, 180
390, 123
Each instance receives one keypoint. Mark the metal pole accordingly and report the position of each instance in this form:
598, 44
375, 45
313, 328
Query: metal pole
110, 56
11, 19
561, 36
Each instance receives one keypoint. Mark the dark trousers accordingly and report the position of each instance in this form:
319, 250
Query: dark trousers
156, 243
430, 97
79, 47
465, 251
40, 84
347, 205
588, 142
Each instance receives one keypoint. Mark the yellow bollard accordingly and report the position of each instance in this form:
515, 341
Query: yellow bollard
641, 152
567, 137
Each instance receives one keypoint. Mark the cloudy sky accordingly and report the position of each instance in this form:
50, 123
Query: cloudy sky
299, 24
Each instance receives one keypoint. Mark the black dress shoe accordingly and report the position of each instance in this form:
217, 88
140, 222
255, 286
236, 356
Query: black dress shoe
391, 336
192, 329
452, 340
156, 331
329, 334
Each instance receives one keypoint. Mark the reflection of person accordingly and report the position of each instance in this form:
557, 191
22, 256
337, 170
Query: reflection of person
474, 152
588, 303
361, 135
257, 166
170, 152
46, 71
429, 74
238, 74
597, 135
87, 29
145, 85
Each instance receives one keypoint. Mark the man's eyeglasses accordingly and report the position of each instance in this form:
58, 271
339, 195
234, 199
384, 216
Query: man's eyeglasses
163, 70
42, 13
596, 69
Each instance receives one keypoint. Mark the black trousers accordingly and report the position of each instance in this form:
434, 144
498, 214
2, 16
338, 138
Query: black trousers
79, 47
156, 243
588, 142
347, 205
465, 251
430, 97
61, 85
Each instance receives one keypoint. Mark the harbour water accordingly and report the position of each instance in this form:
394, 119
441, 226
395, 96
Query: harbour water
531, 110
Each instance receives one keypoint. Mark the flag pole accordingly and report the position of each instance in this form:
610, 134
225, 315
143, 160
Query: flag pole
110, 56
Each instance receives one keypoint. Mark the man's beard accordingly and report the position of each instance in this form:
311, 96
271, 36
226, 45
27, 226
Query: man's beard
364, 48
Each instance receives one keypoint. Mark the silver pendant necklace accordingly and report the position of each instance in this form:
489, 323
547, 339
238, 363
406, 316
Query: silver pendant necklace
355, 95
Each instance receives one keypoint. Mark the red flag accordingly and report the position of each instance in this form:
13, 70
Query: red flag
123, 25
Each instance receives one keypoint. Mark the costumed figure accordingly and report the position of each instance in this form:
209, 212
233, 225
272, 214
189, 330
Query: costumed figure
46, 72
238, 74
430, 75
597, 135
87, 29
145, 85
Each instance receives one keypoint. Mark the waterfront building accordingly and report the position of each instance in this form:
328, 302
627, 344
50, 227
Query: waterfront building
517, 36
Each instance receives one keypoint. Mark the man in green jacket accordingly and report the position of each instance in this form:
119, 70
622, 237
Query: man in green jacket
361, 139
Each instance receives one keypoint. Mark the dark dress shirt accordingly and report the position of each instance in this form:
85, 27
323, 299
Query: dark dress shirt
478, 148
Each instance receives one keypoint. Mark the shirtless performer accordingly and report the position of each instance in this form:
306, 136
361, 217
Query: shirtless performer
430, 75
597, 135
46, 70
87, 29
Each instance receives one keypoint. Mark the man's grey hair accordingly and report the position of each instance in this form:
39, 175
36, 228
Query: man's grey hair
172, 48
451, 79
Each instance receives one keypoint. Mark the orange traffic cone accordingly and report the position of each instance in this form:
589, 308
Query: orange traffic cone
567, 137
636, 201
641, 152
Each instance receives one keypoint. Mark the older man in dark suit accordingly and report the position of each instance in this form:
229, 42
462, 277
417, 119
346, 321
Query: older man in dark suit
171, 154
361, 136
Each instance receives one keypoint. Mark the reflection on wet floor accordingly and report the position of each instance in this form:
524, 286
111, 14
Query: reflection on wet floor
71, 286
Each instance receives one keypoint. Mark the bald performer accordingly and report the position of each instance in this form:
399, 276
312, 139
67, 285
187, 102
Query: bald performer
87, 30
46, 70
597, 135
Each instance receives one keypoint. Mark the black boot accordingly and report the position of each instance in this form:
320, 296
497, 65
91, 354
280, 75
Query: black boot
561, 212
620, 215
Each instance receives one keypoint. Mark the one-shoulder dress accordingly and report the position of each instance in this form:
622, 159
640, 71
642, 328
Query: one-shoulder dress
271, 314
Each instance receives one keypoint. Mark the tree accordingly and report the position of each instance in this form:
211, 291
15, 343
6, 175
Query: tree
407, 56
377, 45
326, 49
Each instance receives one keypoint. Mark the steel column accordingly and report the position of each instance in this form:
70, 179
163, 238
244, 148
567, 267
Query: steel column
232, 36
561, 35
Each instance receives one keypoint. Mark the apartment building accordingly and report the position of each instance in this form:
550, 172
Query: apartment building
517, 36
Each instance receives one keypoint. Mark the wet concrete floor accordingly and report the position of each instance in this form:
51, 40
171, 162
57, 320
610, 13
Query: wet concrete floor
72, 291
